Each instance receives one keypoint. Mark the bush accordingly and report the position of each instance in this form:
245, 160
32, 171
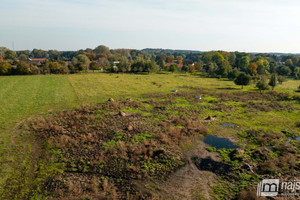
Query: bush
93, 66
242, 79
281, 79
273, 81
173, 68
71, 68
5, 68
233, 74
284, 71
192, 69
55, 67
262, 85
22, 69
34, 69
184, 68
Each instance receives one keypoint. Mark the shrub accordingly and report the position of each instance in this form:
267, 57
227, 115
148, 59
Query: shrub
22, 69
242, 79
273, 81
233, 74
184, 68
192, 69
284, 71
262, 84
5, 68
281, 79
34, 69
93, 66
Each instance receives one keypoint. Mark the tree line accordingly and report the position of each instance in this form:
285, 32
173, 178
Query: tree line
213, 63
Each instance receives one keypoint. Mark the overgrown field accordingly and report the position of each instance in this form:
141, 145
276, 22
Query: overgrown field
113, 149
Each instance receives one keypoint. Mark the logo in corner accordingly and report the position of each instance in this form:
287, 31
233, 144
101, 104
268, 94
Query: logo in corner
268, 188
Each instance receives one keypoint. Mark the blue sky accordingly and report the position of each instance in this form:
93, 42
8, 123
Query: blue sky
242, 25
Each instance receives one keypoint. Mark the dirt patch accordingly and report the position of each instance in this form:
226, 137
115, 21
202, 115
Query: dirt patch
189, 181
252, 96
269, 106
107, 152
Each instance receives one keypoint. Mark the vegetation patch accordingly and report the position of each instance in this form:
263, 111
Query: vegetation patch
103, 151
118, 149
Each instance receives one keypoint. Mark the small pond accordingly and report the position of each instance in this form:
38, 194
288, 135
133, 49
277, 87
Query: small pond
208, 164
228, 125
219, 143
296, 138
270, 148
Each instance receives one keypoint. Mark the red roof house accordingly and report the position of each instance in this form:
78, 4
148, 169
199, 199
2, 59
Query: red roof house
179, 65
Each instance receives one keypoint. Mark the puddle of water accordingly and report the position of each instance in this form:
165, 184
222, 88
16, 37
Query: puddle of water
297, 138
228, 125
219, 143
270, 148
208, 164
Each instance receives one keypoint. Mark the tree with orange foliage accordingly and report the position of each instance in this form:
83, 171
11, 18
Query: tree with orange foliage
252, 67
192, 69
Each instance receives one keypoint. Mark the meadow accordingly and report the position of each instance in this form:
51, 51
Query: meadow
22, 97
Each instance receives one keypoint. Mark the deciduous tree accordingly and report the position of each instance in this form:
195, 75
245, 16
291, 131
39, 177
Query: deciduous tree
124, 65
242, 79
262, 66
284, 71
218, 58
232, 74
170, 58
262, 84
5, 68
55, 68
179, 59
289, 62
185, 68
297, 72
23, 57
173, 68
211, 68
22, 69
198, 66
273, 81
11, 55
192, 69
252, 67
243, 63
223, 68
102, 49
94, 66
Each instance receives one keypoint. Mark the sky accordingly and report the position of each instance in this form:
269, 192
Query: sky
230, 25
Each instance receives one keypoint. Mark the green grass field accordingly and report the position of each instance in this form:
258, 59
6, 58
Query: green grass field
24, 96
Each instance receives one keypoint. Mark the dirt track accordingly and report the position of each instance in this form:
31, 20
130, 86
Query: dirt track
189, 182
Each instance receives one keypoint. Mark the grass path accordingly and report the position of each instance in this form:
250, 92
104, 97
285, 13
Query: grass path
23, 96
